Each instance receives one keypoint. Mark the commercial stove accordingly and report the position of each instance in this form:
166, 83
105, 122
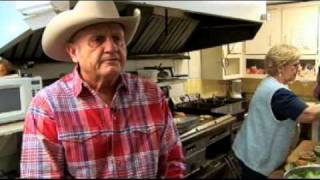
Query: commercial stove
206, 146
207, 133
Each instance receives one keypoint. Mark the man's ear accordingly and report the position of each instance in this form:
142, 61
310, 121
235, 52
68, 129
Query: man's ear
72, 51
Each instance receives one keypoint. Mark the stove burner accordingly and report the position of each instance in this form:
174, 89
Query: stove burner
204, 106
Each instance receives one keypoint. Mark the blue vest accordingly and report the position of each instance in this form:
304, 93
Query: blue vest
263, 143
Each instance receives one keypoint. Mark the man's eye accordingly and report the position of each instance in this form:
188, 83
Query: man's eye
117, 39
96, 41
100, 39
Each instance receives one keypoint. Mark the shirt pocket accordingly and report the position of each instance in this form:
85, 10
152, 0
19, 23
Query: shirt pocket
147, 138
83, 146
78, 136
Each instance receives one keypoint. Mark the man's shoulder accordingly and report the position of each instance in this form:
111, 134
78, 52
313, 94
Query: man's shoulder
60, 86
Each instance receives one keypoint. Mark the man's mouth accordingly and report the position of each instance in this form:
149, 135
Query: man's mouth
109, 59
110, 62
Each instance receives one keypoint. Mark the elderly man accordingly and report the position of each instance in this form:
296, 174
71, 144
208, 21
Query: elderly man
98, 122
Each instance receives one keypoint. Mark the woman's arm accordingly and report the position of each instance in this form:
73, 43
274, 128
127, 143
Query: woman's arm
310, 114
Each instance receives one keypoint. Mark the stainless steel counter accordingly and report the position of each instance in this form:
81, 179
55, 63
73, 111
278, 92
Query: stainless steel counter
11, 128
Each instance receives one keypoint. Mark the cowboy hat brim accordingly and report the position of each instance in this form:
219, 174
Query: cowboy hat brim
62, 27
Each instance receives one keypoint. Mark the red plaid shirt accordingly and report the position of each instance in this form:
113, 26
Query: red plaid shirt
69, 131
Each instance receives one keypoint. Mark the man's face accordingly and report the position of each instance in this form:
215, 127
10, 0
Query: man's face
100, 50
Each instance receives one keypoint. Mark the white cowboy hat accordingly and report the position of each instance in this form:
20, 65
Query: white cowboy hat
61, 28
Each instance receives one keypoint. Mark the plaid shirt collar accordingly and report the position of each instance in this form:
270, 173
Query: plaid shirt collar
81, 87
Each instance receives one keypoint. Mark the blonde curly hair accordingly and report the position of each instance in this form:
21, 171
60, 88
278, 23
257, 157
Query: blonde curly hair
279, 56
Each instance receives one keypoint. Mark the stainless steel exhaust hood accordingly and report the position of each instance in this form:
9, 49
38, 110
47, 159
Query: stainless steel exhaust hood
170, 28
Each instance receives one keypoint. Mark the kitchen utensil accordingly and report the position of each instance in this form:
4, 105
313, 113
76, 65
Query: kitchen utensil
162, 73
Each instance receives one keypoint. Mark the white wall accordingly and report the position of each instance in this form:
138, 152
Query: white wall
49, 70
54, 69
179, 66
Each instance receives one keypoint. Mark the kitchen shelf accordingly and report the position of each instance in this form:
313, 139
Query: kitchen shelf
261, 76
255, 56
233, 56
254, 76
11, 128
311, 79
234, 76
262, 56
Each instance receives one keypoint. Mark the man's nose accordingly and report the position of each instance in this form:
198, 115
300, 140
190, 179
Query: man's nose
110, 45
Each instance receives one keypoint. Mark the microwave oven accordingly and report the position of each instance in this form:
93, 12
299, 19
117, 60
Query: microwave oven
15, 97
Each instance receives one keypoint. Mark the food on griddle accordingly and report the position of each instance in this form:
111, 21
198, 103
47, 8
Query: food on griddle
308, 156
178, 120
300, 162
179, 115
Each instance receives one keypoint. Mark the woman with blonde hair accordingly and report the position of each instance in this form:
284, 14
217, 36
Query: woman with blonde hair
270, 130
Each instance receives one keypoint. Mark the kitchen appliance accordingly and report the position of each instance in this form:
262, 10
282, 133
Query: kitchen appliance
168, 29
16, 94
206, 147
186, 123
36, 83
216, 105
207, 141
236, 91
